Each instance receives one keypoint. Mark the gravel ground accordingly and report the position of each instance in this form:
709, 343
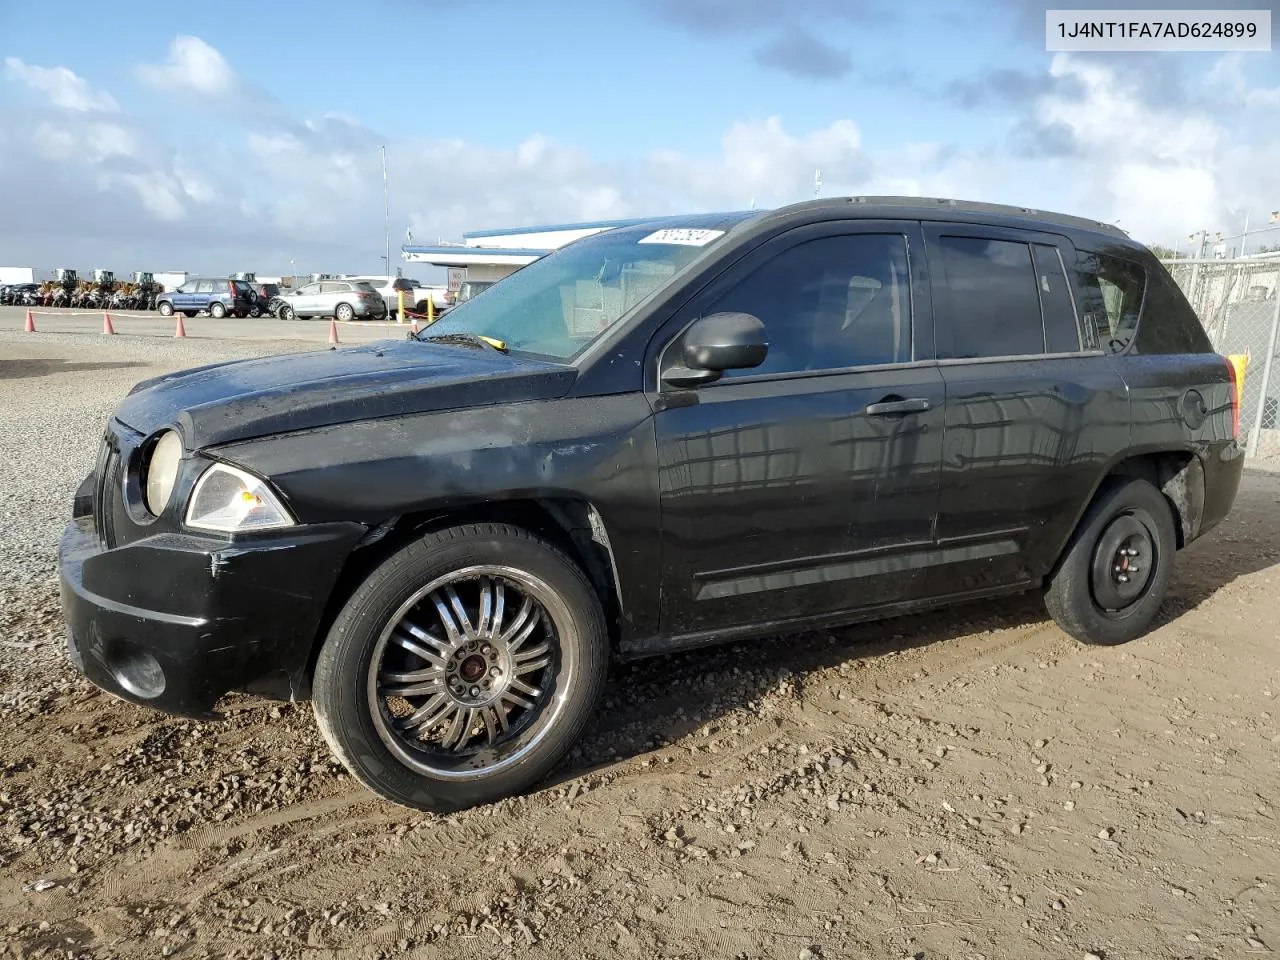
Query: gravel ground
969, 784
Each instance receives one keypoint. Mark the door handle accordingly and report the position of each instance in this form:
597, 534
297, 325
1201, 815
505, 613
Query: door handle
894, 408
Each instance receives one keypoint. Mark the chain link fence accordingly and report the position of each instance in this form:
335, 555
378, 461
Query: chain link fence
1237, 302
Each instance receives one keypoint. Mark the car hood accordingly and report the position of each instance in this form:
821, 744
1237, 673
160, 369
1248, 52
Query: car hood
243, 399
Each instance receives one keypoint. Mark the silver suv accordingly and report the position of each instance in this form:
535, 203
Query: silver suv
343, 299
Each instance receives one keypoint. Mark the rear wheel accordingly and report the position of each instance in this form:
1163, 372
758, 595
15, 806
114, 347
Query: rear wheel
165, 308
217, 310
1115, 573
463, 669
344, 312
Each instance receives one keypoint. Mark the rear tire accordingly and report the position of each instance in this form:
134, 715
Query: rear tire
439, 711
165, 308
1115, 572
217, 311
344, 313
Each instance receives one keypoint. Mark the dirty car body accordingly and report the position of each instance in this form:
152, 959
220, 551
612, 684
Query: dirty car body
839, 478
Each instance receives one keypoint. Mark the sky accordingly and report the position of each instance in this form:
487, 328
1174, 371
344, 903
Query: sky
235, 136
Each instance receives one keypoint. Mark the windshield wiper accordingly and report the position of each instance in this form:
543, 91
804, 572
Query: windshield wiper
471, 339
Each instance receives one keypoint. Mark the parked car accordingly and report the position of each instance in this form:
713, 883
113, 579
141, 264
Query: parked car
213, 295
684, 432
343, 299
263, 295
470, 288
19, 294
415, 294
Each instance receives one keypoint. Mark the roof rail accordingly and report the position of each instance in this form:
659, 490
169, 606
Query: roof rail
923, 204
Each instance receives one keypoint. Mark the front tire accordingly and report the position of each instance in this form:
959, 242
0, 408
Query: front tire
1115, 573
463, 669
286, 312
165, 308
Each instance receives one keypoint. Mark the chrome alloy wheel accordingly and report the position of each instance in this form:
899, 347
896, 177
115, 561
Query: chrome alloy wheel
470, 673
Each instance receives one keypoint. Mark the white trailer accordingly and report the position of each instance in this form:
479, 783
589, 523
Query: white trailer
10, 275
171, 280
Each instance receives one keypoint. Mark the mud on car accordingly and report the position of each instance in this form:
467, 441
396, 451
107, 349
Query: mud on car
676, 433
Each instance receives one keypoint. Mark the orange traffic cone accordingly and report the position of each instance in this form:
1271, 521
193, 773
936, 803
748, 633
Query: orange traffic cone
30, 326
180, 330
107, 328
333, 331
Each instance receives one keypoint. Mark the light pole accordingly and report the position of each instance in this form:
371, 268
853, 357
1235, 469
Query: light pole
386, 208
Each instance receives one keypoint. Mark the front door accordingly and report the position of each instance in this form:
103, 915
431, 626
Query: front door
806, 486
184, 296
1033, 418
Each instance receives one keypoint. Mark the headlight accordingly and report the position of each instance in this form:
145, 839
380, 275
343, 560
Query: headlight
161, 470
232, 501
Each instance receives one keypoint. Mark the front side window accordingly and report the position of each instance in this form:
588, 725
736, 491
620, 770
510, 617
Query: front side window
828, 304
992, 304
560, 304
1111, 299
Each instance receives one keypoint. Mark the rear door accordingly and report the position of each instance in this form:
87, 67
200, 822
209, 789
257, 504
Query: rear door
204, 294
1034, 414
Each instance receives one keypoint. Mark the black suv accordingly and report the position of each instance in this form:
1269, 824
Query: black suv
658, 437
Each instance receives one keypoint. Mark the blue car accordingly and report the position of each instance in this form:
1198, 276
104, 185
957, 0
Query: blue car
216, 296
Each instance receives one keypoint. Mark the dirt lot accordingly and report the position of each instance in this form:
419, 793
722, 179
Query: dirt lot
966, 784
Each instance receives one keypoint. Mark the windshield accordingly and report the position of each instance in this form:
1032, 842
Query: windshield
558, 305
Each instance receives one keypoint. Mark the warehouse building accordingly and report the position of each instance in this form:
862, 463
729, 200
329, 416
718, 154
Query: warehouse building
493, 254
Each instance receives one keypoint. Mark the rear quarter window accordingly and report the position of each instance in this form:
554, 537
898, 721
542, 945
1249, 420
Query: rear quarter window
1168, 324
1111, 295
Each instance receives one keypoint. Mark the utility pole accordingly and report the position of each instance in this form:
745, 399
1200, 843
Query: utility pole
817, 182
386, 206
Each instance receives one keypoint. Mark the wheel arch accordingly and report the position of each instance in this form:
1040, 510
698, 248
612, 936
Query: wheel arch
573, 525
1178, 473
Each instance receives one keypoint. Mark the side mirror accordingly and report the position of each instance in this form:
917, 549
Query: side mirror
714, 344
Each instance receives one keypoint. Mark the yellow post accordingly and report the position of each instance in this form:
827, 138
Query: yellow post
400, 297
431, 310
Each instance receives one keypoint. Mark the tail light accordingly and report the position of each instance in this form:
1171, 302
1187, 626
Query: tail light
1236, 366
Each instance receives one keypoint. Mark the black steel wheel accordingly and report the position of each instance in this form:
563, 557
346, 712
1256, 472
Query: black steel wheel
1115, 572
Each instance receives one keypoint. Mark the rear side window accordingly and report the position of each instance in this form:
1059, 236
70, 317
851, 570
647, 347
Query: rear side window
204, 286
1061, 331
1111, 292
991, 293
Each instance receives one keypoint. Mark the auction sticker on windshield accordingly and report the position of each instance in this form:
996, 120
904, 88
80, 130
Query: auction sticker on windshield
685, 237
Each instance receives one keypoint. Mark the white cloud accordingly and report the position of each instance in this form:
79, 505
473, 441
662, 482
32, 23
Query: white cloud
192, 65
62, 87
311, 190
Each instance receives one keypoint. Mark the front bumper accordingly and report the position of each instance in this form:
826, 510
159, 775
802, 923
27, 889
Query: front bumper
177, 621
